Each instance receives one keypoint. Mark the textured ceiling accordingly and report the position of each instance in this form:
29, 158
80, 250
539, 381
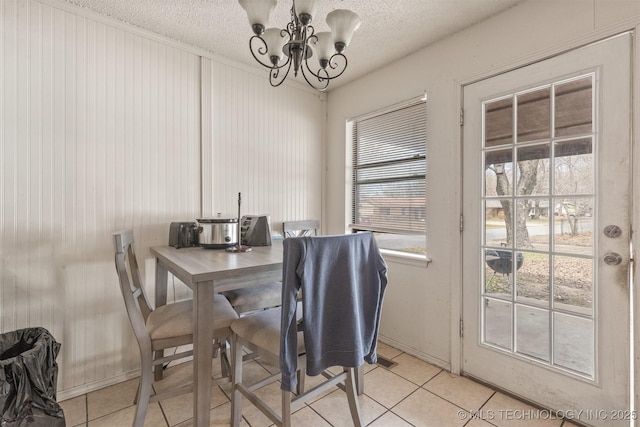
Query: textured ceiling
389, 30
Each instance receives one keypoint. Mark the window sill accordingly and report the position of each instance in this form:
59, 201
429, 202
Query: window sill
406, 258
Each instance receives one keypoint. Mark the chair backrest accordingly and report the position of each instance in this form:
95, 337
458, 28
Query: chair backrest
301, 228
135, 298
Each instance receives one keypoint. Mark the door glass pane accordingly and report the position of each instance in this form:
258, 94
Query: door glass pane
533, 169
573, 284
534, 115
498, 172
573, 337
532, 278
532, 333
498, 122
498, 215
498, 321
498, 272
573, 219
539, 203
533, 214
573, 107
574, 167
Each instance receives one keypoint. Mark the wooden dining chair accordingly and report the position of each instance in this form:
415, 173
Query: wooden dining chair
342, 280
168, 326
269, 295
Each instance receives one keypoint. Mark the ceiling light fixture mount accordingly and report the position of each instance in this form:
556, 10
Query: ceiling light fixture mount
299, 42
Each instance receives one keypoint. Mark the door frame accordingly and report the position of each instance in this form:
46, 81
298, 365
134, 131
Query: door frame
556, 50
635, 216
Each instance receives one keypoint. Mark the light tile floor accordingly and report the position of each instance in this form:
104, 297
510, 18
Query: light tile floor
411, 393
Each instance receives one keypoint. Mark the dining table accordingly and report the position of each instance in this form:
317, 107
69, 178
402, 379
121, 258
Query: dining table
209, 271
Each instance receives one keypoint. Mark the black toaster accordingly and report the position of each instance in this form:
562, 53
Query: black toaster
183, 234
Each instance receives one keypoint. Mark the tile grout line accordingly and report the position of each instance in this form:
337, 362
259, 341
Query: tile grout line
86, 409
421, 385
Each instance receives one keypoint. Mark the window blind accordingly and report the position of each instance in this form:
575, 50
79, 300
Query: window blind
389, 169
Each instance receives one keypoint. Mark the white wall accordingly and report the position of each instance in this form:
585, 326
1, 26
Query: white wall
102, 128
265, 144
422, 305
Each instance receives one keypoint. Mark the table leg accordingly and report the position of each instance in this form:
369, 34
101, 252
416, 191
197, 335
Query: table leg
161, 284
202, 351
161, 299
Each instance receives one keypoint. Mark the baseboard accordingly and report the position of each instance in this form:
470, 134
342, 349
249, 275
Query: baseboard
70, 393
416, 353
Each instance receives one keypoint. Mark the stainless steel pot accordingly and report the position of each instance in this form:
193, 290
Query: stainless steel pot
217, 233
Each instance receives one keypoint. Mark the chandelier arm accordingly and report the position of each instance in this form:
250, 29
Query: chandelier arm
319, 75
275, 72
262, 50
291, 28
335, 66
308, 36
320, 87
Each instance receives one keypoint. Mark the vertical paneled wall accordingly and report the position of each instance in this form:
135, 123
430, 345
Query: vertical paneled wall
104, 127
265, 143
99, 130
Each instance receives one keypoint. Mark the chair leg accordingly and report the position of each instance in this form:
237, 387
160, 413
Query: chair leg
157, 372
286, 408
359, 378
135, 398
236, 378
352, 397
217, 347
302, 375
224, 358
144, 392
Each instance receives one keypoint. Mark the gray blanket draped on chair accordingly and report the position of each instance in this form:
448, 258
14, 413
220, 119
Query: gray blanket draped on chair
341, 305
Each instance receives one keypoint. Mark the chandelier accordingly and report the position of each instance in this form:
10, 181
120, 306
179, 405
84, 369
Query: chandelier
298, 41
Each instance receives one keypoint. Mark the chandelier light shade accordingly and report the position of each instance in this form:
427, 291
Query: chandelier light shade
343, 24
306, 7
258, 11
324, 47
298, 41
275, 41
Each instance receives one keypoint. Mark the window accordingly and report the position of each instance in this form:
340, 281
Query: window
389, 168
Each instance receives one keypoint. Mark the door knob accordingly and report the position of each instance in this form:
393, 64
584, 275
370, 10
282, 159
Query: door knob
612, 258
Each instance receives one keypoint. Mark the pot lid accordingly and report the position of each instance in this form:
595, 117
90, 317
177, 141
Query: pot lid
217, 220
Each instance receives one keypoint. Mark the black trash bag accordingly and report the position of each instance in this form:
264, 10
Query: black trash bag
28, 379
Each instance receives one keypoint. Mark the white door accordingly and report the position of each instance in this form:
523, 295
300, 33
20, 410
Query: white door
546, 205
